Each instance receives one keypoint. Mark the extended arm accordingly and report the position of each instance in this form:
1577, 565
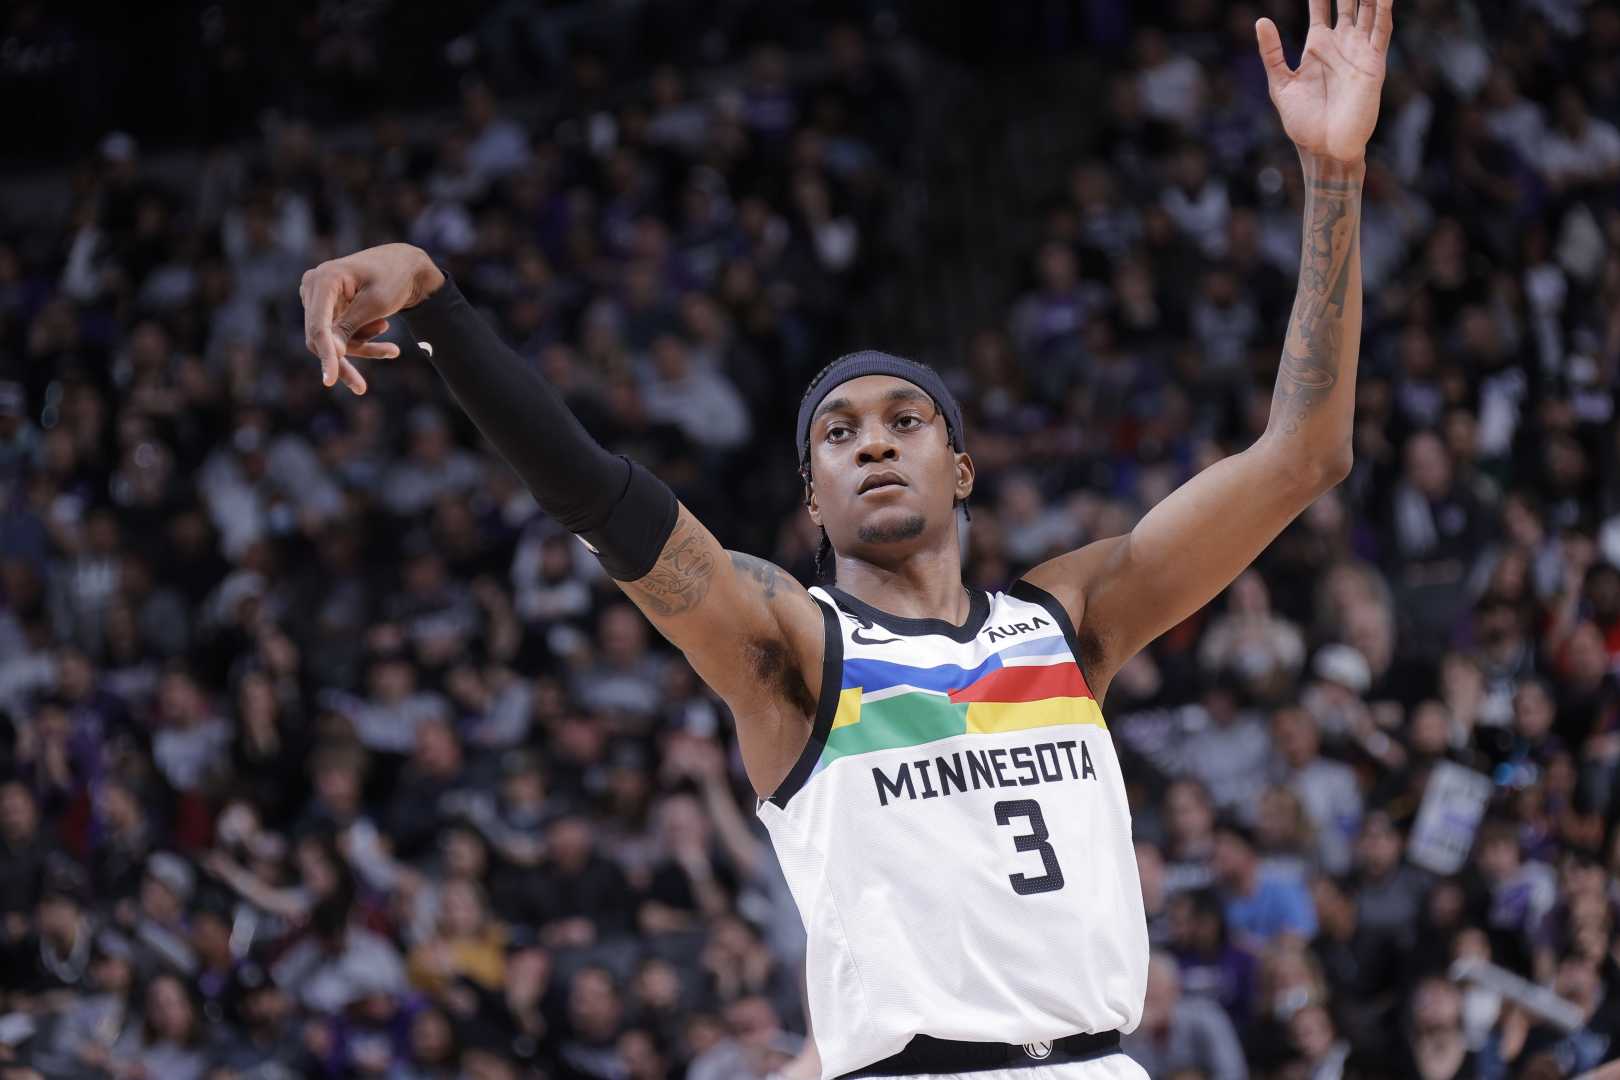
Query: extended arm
717, 607
1124, 591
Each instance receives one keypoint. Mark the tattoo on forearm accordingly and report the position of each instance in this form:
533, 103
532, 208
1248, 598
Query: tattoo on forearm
1310, 361
680, 579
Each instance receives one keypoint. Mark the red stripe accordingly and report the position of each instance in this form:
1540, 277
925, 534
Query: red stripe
1026, 683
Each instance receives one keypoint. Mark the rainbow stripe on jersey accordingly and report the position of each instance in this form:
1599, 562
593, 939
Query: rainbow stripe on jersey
886, 705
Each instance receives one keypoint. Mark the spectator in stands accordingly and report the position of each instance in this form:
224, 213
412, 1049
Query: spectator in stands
45, 968
1389, 895
340, 962
1437, 1046
1180, 1033
157, 920
1191, 827
101, 1022
626, 672
22, 849
1210, 965
1260, 905
579, 895
1262, 649
1229, 748
1521, 892
1363, 966
173, 1041
432, 787
434, 466
1327, 789
595, 1019
1579, 150
271, 1036
702, 402
468, 944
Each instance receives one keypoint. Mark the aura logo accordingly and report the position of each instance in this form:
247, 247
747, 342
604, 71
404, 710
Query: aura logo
1008, 630
1039, 1050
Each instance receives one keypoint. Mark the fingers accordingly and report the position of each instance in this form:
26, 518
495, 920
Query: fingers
1271, 52
373, 350
351, 377
1319, 12
336, 326
319, 292
1383, 24
1347, 13
361, 343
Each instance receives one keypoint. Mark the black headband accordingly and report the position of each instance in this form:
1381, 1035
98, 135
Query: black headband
872, 362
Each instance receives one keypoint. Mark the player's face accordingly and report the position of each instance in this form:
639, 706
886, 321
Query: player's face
884, 478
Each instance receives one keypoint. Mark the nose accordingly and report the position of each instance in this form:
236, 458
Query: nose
878, 449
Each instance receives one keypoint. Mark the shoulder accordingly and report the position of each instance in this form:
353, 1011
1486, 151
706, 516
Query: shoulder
1072, 579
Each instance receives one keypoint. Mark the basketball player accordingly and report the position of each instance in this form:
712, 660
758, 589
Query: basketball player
931, 761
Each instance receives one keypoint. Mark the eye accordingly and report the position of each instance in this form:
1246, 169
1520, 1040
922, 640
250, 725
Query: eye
908, 422
836, 431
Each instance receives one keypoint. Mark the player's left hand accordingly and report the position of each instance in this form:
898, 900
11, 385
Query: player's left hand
1329, 104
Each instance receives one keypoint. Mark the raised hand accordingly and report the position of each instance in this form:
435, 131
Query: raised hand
1329, 104
347, 303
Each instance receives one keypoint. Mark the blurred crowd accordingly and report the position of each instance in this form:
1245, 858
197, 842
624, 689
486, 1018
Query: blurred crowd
323, 753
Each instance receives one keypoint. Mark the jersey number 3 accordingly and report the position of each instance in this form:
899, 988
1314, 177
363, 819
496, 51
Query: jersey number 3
1034, 840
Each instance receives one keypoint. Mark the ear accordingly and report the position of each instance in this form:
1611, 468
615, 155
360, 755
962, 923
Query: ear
965, 474
810, 503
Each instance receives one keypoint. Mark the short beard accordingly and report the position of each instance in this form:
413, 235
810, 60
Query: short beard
909, 529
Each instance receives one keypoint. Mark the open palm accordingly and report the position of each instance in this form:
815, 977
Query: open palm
1329, 104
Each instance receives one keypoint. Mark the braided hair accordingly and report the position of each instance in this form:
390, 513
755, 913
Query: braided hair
825, 548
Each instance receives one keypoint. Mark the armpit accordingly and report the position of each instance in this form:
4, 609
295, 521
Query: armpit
1093, 655
774, 665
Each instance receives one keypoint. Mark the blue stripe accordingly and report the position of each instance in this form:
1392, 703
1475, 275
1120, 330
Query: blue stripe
872, 675
1046, 646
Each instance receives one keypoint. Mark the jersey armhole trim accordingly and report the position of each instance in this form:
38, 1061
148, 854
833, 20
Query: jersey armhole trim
1034, 594
832, 681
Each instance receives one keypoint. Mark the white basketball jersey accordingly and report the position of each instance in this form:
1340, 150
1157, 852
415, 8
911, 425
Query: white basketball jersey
956, 835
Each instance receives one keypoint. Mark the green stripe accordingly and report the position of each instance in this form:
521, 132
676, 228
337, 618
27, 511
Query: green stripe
902, 720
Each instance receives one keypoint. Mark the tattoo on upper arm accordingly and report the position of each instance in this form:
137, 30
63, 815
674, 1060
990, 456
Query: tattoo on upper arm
680, 579
768, 575
770, 658
765, 573
1310, 361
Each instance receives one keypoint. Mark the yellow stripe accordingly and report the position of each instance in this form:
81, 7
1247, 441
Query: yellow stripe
849, 709
986, 717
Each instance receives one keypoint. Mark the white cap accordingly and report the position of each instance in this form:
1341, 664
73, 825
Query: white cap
1344, 665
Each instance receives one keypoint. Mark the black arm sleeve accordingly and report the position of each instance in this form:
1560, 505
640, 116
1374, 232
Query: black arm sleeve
618, 508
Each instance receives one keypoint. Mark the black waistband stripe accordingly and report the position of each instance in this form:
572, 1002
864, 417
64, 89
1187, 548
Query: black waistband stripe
925, 1055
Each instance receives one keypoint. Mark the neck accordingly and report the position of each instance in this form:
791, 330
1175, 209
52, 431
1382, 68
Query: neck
925, 585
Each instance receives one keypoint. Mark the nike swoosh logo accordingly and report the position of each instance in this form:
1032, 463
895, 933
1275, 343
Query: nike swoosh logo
855, 636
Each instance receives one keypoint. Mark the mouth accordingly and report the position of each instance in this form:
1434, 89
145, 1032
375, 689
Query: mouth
881, 480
